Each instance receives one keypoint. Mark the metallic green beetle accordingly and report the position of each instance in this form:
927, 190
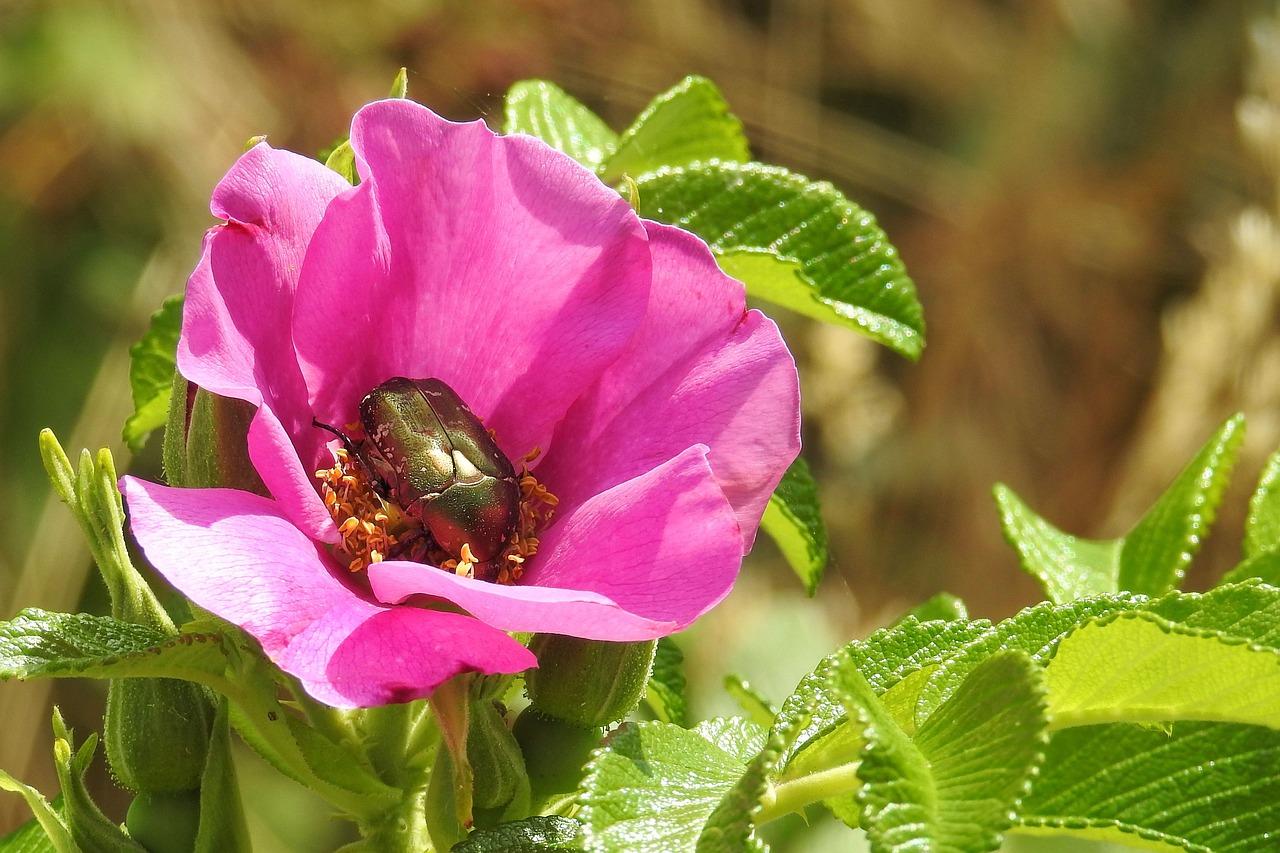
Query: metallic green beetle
428, 452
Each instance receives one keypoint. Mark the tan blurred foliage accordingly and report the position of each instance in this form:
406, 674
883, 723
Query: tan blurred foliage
1094, 243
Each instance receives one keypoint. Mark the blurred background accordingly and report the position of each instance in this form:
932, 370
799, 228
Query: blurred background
1085, 192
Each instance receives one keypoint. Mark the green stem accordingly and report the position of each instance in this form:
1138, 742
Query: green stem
794, 795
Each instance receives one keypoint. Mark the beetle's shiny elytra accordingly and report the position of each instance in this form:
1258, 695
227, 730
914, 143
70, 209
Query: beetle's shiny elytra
431, 455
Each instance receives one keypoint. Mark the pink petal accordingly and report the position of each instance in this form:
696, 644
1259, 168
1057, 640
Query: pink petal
493, 263
239, 302
701, 370
235, 554
642, 560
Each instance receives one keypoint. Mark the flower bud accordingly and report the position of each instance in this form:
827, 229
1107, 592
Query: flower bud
165, 823
554, 752
157, 733
206, 440
588, 683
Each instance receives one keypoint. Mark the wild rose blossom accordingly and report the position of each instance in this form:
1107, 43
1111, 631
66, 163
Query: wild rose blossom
606, 354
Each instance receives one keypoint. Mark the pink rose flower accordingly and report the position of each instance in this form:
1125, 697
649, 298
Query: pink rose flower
662, 411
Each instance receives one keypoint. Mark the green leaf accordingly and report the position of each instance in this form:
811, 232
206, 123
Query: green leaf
1035, 631
955, 786
943, 606
1264, 567
1068, 567
28, 838
651, 789
884, 659
546, 111
666, 695
1262, 526
738, 736
39, 644
538, 834
1137, 667
689, 123
1248, 612
1262, 530
794, 242
731, 827
152, 361
758, 707
1152, 558
1206, 787
48, 823
792, 519
1156, 553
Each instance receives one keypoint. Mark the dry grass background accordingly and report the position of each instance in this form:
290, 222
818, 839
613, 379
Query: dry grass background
1091, 232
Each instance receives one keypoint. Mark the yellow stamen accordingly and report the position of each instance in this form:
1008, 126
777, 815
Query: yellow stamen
374, 529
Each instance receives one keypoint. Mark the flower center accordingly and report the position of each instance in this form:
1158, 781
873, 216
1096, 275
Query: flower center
375, 528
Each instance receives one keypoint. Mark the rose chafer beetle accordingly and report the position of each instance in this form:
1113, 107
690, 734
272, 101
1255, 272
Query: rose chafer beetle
425, 450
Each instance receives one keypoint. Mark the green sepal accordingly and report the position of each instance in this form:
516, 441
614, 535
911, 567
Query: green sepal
497, 764
445, 826
222, 823
92, 831
173, 449
91, 493
588, 683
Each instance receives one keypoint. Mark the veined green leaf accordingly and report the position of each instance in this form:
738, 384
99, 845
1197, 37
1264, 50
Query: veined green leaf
44, 833
39, 644
1152, 558
1137, 667
537, 834
152, 361
1156, 553
652, 788
731, 827
546, 111
1207, 787
943, 606
957, 783
884, 659
1264, 567
795, 242
792, 519
1262, 526
666, 693
758, 708
689, 123
1068, 567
